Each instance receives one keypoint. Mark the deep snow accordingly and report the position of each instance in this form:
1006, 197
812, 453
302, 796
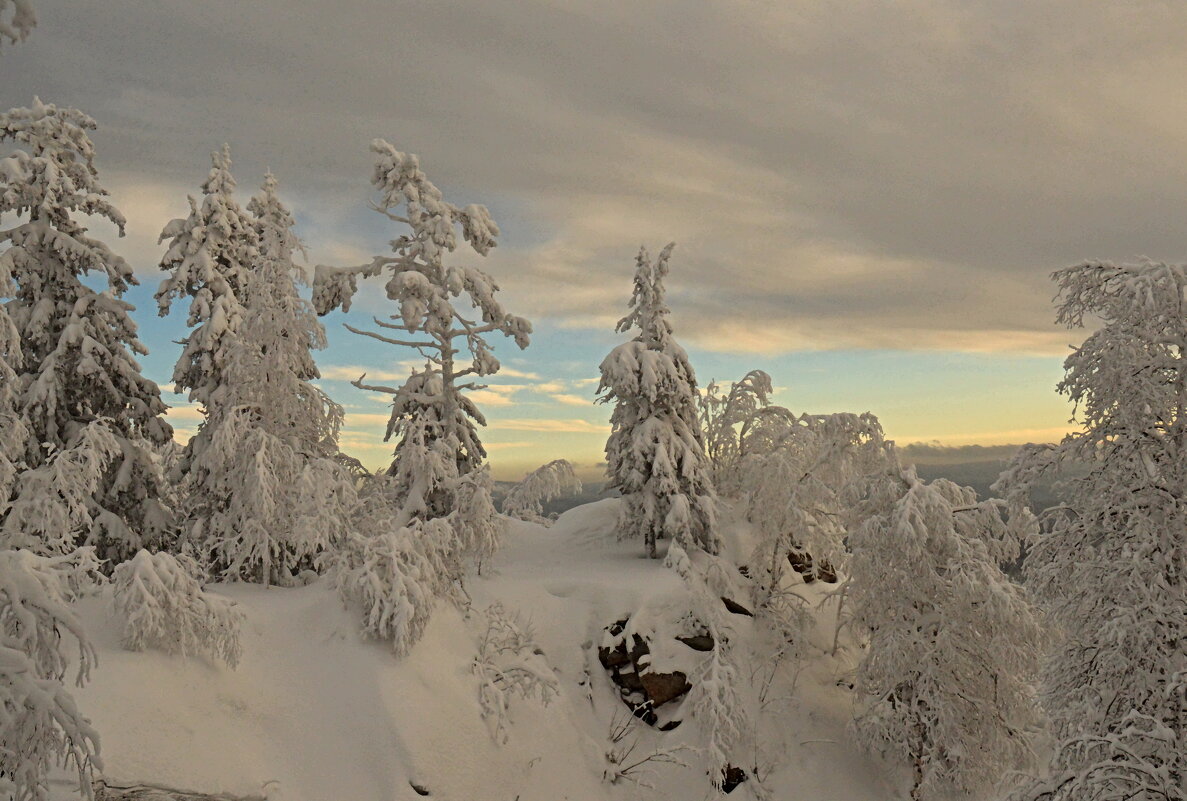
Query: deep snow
316, 713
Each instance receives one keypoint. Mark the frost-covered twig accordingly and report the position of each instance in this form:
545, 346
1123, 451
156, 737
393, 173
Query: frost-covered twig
509, 662
624, 759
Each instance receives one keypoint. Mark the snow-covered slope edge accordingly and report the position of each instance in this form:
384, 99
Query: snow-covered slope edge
315, 713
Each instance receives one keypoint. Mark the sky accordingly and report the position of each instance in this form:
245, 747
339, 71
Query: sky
868, 198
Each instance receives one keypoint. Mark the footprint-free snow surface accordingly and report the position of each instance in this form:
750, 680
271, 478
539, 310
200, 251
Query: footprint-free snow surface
316, 713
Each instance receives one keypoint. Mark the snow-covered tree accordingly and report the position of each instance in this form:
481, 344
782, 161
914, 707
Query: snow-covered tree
53, 508
1110, 564
443, 311
947, 682
210, 256
17, 24
73, 349
805, 489
161, 602
40, 725
525, 501
13, 432
655, 454
269, 492
729, 419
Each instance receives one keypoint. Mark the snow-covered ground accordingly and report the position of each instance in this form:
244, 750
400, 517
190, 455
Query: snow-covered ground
315, 713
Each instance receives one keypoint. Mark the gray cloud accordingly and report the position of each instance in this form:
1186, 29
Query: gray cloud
851, 173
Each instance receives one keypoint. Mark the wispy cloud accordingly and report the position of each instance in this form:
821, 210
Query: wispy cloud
554, 426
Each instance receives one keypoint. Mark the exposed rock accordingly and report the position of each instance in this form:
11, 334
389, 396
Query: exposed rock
642, 689
416, 788
731, 777
735, 607
803, 563
698, 642
663, 687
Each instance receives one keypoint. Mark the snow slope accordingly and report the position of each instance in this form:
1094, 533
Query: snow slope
315, 713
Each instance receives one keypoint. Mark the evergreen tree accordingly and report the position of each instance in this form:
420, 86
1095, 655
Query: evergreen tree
1110, 564
209, 259
271, 463
71, 355
655, 454
437, 473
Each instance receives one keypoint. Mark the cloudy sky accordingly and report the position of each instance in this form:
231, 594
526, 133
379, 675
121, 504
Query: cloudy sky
868, 196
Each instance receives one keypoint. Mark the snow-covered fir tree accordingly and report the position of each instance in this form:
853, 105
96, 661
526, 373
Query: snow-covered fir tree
947, 683
17, 20
209, 259
13, 432
1110, 563
40, 724
655, 453
269, 493
210, 256
525, 501
73, 354
443, 310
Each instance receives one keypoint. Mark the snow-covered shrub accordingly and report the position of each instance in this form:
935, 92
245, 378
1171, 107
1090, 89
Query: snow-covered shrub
162, 604
76, 364
1108, 564
716, 699
655, 455
40, 724
509, 662
947, 682
16, 26
392, 582
525, 501
437, 470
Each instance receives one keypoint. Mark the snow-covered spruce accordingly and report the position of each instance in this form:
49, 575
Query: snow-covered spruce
54, 506
525, 501
17, 20
947, 682
267, 493
210, 255
655, 454
161, 602
437, 472
13, 432
1110, 563
40, 725
74, 365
